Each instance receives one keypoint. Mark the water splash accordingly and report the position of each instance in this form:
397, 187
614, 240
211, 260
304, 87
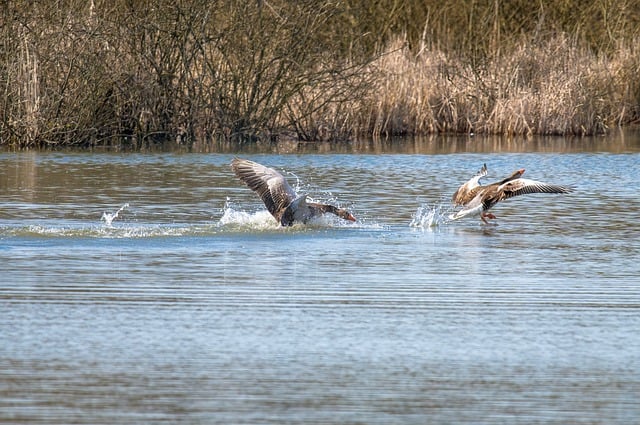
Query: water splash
430, 216
297, 186
234, 218
109, 217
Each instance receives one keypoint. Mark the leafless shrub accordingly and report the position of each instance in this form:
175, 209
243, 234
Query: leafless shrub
136, 73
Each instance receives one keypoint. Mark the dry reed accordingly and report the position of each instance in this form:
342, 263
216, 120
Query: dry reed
131, 74
556, 88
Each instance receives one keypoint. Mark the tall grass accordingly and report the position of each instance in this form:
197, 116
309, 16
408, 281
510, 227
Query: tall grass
97, 72
556, 87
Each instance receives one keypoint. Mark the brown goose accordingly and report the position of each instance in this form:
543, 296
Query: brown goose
280, 198
478, 199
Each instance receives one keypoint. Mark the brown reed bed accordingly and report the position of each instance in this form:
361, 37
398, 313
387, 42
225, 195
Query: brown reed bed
553, 88
126, 74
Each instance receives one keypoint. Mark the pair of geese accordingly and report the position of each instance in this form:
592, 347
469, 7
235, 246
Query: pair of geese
287, 207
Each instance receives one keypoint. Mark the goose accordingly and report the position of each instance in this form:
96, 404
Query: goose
477, 199
278, 196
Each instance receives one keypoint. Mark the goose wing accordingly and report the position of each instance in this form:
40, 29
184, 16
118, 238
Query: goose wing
519, 187
467, 192
269, 184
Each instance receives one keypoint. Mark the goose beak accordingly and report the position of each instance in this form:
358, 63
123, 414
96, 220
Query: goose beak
350, 217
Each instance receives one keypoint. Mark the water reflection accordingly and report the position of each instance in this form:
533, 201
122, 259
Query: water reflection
617, 141
432, 145
19, 175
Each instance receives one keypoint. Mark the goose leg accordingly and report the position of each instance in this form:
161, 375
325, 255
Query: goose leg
484, 217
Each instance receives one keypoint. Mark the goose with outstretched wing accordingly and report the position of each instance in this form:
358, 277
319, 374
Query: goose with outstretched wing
477, 199
284, 204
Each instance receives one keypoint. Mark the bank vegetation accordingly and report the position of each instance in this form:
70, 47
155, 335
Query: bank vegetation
139, 73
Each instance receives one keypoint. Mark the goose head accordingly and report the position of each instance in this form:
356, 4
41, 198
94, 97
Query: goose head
344, 214
515, 175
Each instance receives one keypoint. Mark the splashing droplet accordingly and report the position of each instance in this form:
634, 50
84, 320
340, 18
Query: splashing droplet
109, 217
430, 216
241, 219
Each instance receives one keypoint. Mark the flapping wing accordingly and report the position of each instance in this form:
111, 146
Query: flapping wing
519, 187
269, 184
466, 192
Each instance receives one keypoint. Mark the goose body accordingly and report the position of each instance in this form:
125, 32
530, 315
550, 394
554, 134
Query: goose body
284, 204
477, 199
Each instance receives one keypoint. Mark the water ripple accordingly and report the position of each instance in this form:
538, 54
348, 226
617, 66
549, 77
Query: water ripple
187, 303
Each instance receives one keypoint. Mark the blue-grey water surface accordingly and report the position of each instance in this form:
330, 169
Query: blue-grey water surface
193, 306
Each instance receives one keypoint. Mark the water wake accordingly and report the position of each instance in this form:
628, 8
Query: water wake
431, 216
73, 230
233, 219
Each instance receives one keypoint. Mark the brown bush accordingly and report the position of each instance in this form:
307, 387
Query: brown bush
135, 73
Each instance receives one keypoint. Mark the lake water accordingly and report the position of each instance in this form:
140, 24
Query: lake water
193, 306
